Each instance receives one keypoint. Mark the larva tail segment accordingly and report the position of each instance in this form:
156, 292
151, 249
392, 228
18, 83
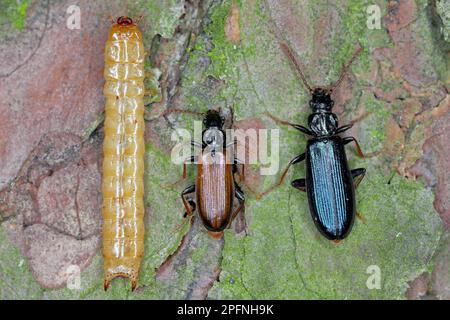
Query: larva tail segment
131, 275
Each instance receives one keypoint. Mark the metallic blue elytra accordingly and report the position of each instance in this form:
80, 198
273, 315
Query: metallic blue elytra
329, 186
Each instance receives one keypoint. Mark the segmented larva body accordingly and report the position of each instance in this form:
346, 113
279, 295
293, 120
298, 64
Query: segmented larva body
123, 153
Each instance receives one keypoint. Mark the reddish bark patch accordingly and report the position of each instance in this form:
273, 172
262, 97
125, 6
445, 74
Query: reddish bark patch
435, 162
54, 207
418, 287
409, 60
288, 21
252, 176
204, 274
52, 255
58, 89
440, 278
232, 29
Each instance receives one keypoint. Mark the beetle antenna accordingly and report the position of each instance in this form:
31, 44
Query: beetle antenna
346, 68
291, 56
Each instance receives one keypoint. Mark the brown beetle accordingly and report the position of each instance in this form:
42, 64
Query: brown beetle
215, 185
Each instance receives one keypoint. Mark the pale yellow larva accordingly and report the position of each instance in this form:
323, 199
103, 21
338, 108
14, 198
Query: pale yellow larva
123, 153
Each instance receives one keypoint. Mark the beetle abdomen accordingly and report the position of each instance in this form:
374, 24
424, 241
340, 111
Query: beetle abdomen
123, 154
330, 187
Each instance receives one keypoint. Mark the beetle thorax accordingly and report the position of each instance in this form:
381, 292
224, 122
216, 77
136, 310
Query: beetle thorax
213, 138
323, 123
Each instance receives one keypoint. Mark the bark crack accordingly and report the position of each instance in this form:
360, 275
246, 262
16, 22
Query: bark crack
44, 31
294, 240
77, 207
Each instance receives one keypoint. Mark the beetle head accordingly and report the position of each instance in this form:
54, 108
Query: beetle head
321, 100
213, 119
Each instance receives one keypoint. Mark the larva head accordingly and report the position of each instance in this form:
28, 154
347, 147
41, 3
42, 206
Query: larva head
124, 21
125, 29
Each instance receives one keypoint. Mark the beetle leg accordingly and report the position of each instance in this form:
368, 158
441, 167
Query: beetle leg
189, 205
192, 205
235, 144
237, 161
236, 212
344, 128
196, 144
296, 126
190, 160
239, 194
360, 217
296, 160
242, 173
231, 144
242, 177
299, 184
358, 149
358, 175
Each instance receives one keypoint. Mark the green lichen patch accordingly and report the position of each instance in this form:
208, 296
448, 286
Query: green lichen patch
152, 85
372, 131
13, 13
159, 16
16, 281
431, 50
284, 257
443, 9
165, 225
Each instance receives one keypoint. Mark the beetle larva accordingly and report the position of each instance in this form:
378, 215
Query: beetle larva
123, 153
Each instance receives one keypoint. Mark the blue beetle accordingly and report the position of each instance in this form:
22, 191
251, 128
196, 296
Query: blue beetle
329, 182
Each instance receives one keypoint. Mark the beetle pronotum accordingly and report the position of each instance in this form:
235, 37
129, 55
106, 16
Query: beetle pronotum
123, 153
